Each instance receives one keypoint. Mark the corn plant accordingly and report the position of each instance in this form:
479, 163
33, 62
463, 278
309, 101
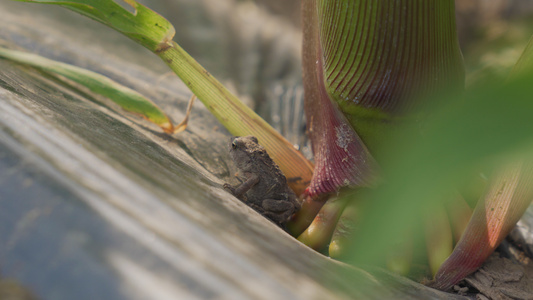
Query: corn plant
393, 130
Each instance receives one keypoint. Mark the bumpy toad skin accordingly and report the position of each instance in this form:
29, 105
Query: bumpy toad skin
263, 187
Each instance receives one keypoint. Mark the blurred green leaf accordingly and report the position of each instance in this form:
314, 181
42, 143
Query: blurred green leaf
525, 62
488, 125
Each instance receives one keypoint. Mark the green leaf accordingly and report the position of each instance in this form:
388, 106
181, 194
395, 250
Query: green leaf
488, 126
125, 97
376, 61
341, 157
525, 62
155, 33
143, 25
380, 57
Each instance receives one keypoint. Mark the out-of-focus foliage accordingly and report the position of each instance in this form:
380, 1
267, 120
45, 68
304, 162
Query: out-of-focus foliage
488, 126
492, 35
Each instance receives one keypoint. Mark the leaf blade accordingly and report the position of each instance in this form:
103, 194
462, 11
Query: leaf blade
125, 97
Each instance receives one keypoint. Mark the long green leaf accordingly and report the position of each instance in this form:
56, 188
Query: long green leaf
155, 33
525, 62
125, 97
143, 25
379, 57
367, 64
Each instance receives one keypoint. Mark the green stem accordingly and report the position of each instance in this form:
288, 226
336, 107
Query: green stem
238, 118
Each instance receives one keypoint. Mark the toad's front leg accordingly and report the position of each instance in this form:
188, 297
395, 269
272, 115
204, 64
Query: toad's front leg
278, 211
241, 189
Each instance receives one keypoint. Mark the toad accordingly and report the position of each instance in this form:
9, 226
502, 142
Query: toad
263, 186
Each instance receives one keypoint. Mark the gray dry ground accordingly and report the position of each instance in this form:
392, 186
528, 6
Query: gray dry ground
500, 279
508, 273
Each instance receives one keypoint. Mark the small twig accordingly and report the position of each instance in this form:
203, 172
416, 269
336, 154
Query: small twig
183, 125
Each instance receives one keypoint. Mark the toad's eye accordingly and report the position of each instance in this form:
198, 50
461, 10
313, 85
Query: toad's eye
234, 145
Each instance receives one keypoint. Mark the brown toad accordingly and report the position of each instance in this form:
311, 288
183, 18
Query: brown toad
263, 186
